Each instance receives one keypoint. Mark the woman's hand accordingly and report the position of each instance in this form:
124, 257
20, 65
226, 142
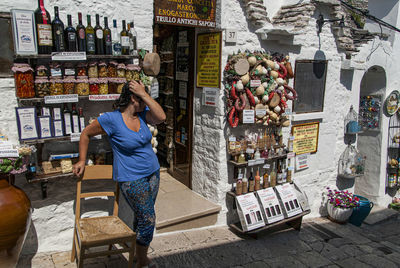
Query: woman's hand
79, 168
137, 88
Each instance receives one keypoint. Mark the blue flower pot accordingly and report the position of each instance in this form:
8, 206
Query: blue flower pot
361, 212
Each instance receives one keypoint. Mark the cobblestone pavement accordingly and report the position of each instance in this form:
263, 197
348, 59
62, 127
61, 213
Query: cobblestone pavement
320, 243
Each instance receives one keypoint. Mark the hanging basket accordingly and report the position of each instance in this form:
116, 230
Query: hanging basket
351, 163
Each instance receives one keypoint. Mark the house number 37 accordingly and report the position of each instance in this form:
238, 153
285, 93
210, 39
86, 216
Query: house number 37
230, 36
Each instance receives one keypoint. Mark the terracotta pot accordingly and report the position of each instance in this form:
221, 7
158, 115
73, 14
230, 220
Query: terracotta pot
337, 214
15, 214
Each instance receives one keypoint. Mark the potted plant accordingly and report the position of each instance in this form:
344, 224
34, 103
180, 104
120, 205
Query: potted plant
340, 205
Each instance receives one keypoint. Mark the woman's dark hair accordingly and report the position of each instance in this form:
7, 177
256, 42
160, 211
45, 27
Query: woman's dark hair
124, 99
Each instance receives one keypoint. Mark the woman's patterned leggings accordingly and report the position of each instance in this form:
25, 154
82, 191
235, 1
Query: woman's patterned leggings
141, 196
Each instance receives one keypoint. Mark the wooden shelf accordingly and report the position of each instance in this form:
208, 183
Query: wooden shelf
169, 107
236, 164
237, 226
46, 177
181, 144
167, 93
167, 61
88, 57
167, 76
63, 138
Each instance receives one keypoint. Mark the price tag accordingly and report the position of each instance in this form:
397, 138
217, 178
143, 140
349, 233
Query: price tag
9, 153
231, 138
249, 151
288, 111
291, 138
69, 71
75, 137
55, 72
252, 163
6, 145
260, 161
240, 176
103, 97
154, 89
290, 168
261, 112
255, 83
136, 61
267, 166
65, 56
290, 155
61, 98
248, 116
230, 36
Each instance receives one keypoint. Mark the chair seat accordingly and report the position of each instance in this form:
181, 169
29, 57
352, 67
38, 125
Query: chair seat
103, 230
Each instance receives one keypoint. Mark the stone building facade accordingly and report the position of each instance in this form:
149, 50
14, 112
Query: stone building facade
359, 62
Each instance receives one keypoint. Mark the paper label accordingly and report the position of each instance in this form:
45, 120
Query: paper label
99, 34
6, 145
231, 138
261, 112
211, 96
125, 41
248, 116
107, 97
61, 99
9, 153
75, 137
249, 151
56, 113
302, 161
66, 56
55, 72
267, 166
58, 129
249, 212
45, 35
255, 83
252, 162
154, 92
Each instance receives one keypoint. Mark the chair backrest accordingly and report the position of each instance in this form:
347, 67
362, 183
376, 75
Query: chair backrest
96, 172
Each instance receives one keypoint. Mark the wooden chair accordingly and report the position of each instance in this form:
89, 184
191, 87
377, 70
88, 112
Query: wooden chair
100, 231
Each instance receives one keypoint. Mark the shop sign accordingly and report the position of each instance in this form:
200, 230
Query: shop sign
211, 96
305, 138
194, 13
302, 162
209, 60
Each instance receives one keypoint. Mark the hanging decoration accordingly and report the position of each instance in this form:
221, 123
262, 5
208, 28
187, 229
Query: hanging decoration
258, 81
351, 163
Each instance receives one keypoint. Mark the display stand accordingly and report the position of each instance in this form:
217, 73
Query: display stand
294, 222
393, 154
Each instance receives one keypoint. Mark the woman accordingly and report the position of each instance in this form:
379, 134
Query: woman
135, 166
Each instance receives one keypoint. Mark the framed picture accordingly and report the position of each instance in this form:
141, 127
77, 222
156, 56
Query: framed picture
24, 32
305, 138
26, 122
58, 128
45, 127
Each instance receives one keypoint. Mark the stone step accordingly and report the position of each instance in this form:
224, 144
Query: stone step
379, 214
179, 208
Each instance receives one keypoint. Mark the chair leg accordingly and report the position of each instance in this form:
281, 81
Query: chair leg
73, 251
80, 258
131, 255
109, 249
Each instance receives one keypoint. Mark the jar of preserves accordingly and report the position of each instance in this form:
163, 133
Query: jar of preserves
120, 84
112, 85
93, 86
55, 70
69, 69
81, 69
103, 72
82, 86
92, 70
103, 86
112, 69
121, 70
42, 71
69, 85
132, 72
24, 83
56, 86
42, 86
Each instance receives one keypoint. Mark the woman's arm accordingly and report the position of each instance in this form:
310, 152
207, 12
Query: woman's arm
91, 130
156, 114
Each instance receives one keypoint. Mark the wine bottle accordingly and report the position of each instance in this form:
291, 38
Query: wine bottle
116, 40
90, 39
257, 180
58, 32
99, 36
265, 180
239, 184
70, 35
43, 29
75, 119
80, 30
81, 120
132, 39
124, 39
107, 38
251, 181
67, 120
272, 176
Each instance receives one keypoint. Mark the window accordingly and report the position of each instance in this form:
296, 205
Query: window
6, 45
309, 83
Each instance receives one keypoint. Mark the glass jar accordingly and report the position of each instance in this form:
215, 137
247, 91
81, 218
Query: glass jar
121, 70
81, 69
24, 83
112, 69
112, 85
69, 69
41, 71
56, 86
42, 86
103, 86
82, 86
69, 85
132, 72
55, 70
93, 86
103, 72
120, 84
93, 70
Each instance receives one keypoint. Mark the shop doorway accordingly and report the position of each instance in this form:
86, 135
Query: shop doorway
175, 46
372, 92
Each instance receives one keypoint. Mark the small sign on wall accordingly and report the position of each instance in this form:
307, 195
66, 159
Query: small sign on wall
230, 36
